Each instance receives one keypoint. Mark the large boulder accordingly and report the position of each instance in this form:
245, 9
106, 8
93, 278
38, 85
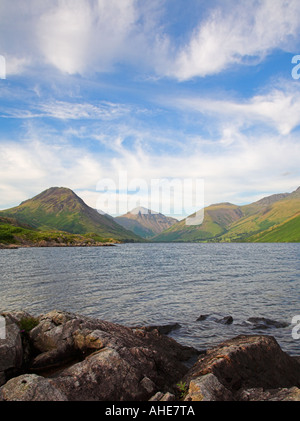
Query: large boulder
90, 359
237, 368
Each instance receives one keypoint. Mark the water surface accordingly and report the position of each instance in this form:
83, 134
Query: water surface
146, 284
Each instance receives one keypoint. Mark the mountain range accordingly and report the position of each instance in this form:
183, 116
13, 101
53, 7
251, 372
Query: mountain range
274, 218
60, 215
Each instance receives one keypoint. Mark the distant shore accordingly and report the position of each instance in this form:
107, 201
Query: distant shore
53, 244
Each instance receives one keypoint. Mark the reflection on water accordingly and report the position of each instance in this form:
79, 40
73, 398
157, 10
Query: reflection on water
160, 284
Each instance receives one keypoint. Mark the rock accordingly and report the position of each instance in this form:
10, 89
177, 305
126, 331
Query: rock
163, 397
17, 316
208, 388
11, 351
157, 396
168, 397
263, 323
90, 359
227, 320
259, 394
30, 387
163, 329
104, 376
53, 339
202, 317
245, 362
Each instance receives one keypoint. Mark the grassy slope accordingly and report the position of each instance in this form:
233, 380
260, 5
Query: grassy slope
12, 232
263, 219
216, 219
286, 232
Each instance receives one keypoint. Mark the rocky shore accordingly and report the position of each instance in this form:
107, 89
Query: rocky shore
61, 356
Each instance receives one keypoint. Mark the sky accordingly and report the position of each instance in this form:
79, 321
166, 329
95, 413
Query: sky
116, 98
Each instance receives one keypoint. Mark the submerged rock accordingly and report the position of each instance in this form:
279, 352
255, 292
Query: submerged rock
227, 320
163, 329
264, 323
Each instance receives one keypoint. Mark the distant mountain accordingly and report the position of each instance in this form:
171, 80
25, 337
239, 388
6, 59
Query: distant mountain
272, 219
145, 222
59, 208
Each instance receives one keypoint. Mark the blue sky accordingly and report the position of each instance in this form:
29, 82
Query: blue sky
166, 89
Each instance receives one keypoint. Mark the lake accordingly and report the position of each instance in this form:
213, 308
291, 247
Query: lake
156, 284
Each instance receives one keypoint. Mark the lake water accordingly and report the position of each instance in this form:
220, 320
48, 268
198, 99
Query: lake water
146, 284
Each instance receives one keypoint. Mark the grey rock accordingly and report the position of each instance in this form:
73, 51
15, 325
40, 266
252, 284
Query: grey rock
163, 397
90, 359
264, 323
242, 363
259, 394
168, 397
208, 388
30, 387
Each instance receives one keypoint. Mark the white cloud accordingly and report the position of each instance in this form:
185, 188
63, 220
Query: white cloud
29, 167
276, 108
93, 36
238, 32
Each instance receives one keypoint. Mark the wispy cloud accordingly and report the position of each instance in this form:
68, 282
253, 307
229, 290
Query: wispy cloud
277, 107
238, 33
64, 110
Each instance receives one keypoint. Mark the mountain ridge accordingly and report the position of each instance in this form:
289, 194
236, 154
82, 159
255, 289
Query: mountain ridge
59, 208
225, 222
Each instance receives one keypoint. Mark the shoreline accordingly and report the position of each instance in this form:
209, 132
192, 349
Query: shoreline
62, 356
17, 246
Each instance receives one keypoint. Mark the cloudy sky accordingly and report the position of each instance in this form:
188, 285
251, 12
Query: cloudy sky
149, 90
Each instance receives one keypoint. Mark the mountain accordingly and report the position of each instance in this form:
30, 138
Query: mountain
272, 219
59, 208
145, 222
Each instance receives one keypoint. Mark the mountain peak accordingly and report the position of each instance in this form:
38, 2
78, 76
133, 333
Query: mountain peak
143, 211
145, 222
61, 209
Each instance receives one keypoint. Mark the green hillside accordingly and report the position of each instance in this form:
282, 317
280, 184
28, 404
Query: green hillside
216, 220
288, 232
61, 209
273, 218
14, 233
